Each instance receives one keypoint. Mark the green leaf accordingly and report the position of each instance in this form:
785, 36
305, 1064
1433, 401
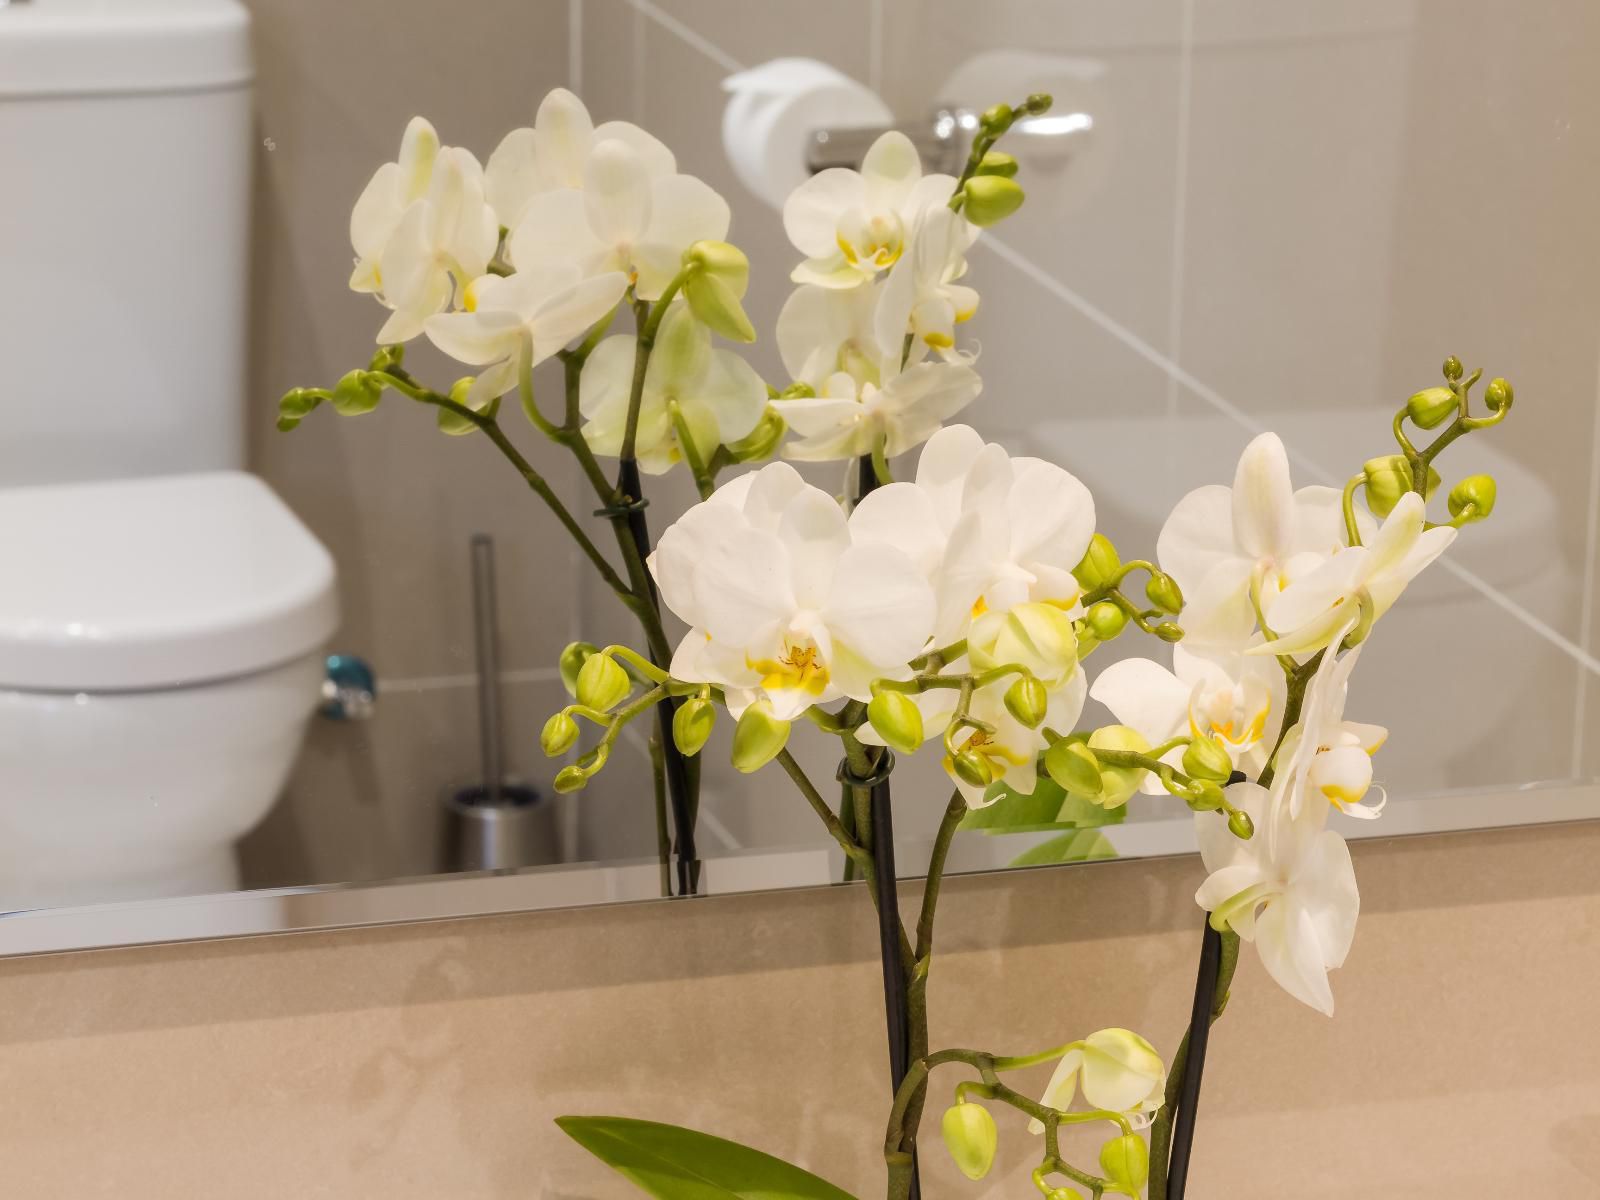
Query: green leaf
1080, 845
1048, 807
674, 1163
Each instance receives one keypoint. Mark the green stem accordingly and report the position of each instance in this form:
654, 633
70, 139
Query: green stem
853, 851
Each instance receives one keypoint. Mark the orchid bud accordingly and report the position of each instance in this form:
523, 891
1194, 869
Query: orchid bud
386, 358
1035, 635
1169, 631
692, 725
1038, 102
1207, 759
1027, 700
570, 779
1431, 406
1163, 591
761, 441
1126, 1162
758, 737
1118, 783
1205, 795
1075, 768
897, 719
453, 423
1064, 1193
997, 119
356, 393
996, 163
989, 199
1453, 368
972, 769
1388, 477
1240, 825
1106, 620
1099, 566
1498, 395
717, 275
572, 660
601, 683
558, 735
1474, 496
970, 1136
294, 406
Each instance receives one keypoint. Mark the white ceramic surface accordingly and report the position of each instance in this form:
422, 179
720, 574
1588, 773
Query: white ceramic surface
125, 795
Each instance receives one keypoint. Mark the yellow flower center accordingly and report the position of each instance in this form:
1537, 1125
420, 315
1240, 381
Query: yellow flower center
798, 668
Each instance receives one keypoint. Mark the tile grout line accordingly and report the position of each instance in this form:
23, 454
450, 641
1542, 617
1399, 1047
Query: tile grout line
1180, 214
1234, 413
688, 35
1174, 372
1591, 583
434, 683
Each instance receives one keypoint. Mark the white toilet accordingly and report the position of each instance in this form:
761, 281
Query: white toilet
162, 613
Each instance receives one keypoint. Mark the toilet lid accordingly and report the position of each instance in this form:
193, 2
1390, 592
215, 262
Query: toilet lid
151, 583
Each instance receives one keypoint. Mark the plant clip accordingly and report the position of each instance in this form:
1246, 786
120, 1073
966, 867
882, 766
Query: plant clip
623, 508
879, 775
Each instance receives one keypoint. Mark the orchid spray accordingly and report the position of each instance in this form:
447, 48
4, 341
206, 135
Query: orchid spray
953, 609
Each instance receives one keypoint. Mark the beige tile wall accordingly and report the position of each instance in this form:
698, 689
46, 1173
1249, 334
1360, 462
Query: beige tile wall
427, 1061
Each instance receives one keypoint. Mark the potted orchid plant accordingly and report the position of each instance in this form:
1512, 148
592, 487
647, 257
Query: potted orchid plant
951, 612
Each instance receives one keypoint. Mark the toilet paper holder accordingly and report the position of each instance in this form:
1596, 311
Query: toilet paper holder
944, 139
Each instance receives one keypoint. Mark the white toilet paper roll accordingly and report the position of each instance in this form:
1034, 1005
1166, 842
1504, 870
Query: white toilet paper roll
775, 107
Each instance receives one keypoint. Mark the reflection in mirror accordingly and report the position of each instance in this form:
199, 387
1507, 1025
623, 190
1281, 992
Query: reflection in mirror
277, 651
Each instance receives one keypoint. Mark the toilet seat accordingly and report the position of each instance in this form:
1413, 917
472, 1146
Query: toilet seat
145, 584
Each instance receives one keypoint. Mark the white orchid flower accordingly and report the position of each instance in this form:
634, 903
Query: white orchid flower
1219, 543
1290, 889
1015, 527
1325, 754
393, 188
853, 224
849, 418
823, 331
718, 395
442, 243
921, 297
1235, 698
1118, 1070
1321, 602
625, 218
784, 603
555, 153
512, 323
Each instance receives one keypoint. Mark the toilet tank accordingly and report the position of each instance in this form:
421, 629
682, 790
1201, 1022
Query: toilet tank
125, 150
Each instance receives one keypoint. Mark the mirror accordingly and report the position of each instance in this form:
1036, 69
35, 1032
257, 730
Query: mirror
251, 679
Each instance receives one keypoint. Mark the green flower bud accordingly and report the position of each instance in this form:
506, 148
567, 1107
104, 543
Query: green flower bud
294, 406
1498, 395
1205, 796
972, 769
1476, 491
758, 737
1126, 1162
718, 274
558, 735
601, 683
1388, 477
1432, 406
1105, 620
1206, 758
1164, 593
692, 725
1117, 784
1075, 768
356, 393
761, 441
990, 199
1038, 102
454, 424
1026, 700
1100, 564
996, 163
897, 719
1240, 825
387, 358
572, 660
571, 779
1064, 1193
971, 1137
997, 119
1169, 631
1453, 369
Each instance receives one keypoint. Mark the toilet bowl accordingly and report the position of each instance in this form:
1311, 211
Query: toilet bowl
160, 656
